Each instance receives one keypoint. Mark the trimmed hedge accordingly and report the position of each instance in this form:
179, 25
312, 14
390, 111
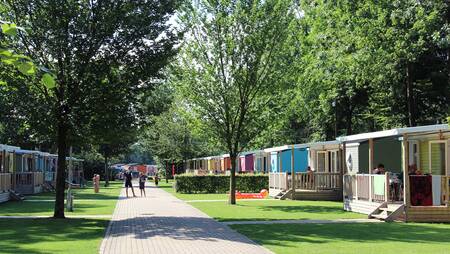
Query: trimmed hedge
219, 183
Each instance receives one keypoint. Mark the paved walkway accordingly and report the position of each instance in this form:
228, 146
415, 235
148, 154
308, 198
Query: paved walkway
161, 223
302, 221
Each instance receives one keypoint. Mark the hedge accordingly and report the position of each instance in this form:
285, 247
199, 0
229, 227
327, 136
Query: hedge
219, 183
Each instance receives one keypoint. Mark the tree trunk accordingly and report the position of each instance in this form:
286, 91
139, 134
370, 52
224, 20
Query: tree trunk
106, 170
232, 200
410, 96
61, 171
348, 118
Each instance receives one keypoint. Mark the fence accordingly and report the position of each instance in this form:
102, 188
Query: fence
369, 187
278, 181
429, 190
29, 178
5, 182
306, 181
318, 181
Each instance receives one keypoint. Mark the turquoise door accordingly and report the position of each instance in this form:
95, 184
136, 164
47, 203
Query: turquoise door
274, 162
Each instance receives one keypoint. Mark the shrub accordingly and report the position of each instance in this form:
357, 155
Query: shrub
219, 183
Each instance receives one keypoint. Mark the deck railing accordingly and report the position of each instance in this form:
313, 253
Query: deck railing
278, 181
306, 181
369, 187
5, 182
318, 181
28, 178
429, 190
50, 176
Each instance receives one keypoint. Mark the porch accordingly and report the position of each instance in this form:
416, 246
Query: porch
5, 186
308, 186
426, 198
27, 182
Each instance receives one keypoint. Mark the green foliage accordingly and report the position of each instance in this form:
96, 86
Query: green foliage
48, 81
240, 55
9, 29
219, 183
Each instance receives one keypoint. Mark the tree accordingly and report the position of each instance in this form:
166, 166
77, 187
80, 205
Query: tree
233, 65
80, 41
114, 123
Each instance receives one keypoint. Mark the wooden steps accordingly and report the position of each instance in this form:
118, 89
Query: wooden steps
16, 196
284, 194
388, 212
360, 206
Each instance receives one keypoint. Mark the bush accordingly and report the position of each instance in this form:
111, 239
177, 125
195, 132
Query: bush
219, 183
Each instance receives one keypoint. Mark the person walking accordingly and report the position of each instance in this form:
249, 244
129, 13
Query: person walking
128, 177
142, 179
156, 179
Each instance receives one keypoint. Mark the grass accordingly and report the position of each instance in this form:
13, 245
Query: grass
386, 238
187, 197
276, 210
265, 209
51, 235
86, 203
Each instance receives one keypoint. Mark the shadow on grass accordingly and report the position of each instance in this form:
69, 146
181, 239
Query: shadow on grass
290, 234
303, 209
48, 235
32, 208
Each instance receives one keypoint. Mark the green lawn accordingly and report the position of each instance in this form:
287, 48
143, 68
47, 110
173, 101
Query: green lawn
276, 210
386, 238
51, 235
55, 235
86, 203
168, 187
265, 209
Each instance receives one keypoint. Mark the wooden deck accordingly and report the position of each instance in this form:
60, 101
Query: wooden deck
28, 182
428, 214
360, 197
319, 195
309, 186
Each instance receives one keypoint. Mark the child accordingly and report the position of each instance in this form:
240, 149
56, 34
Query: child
142, 179
156, 179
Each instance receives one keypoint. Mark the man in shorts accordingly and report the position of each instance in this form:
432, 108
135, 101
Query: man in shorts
128, 177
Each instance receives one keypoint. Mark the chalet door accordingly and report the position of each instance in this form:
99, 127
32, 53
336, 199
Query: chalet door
334, 162
322, 162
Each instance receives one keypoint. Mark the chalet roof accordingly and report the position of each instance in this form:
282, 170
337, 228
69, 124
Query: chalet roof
394, 132
285, 147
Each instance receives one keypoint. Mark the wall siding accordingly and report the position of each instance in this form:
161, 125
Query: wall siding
424, 160
353, 152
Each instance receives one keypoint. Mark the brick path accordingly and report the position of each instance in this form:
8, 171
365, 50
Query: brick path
161, 223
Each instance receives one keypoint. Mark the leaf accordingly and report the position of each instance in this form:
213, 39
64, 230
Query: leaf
5, 52
48, 80
9, 29
26, 68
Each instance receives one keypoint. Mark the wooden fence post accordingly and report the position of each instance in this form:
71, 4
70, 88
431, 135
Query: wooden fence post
386, 185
